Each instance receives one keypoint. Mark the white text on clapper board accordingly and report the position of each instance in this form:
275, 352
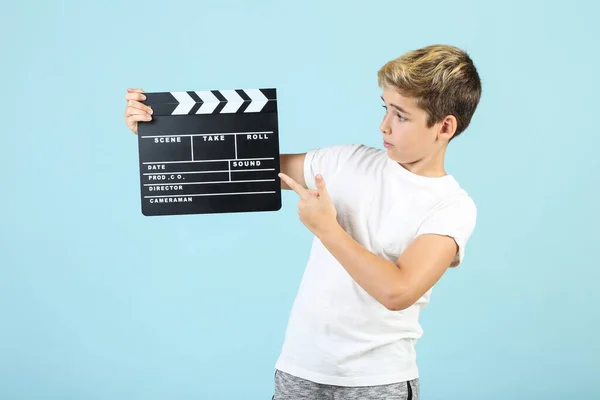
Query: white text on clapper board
197, 164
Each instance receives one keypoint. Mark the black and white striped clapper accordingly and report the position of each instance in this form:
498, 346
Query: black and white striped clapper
211, 151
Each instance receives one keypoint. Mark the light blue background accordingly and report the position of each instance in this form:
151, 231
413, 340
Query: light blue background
99, 302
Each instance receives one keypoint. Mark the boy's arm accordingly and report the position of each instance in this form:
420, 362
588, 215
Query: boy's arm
395, 285
293, 165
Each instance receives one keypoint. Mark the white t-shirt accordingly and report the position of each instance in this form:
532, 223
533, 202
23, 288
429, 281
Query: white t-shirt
337, 333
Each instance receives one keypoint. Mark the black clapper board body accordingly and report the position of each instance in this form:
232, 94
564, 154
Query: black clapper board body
211, 151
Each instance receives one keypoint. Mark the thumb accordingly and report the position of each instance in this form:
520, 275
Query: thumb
320, 183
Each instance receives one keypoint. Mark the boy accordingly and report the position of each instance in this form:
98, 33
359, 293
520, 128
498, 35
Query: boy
387, 225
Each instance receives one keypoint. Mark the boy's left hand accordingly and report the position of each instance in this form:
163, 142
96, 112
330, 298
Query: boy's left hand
315, 207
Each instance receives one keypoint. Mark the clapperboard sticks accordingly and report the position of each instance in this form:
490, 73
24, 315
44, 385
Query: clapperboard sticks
213, 102
211, 151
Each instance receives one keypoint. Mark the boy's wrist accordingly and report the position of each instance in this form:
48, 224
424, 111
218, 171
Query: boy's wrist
330, 231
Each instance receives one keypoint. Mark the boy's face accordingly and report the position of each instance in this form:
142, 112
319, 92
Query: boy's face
405, 133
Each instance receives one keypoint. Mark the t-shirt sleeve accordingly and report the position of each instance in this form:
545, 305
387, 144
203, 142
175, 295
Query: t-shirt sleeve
455, 218
327, 161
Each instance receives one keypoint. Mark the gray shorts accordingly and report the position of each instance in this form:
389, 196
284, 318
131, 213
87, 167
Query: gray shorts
289, 387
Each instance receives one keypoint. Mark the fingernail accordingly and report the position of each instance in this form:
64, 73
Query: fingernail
319, 176
150, 111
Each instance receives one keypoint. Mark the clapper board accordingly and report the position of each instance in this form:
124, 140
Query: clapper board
212, 151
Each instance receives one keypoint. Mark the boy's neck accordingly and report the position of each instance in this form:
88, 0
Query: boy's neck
431, 166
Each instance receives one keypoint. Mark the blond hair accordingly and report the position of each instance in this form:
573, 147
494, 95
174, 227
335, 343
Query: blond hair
442, 80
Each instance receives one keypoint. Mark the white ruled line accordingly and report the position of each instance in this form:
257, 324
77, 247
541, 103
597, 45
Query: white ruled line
208, 172
205, 134
210, 194
192, 147
206, 183
195, 161
229, 166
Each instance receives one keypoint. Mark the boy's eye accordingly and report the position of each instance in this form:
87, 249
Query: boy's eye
400, 117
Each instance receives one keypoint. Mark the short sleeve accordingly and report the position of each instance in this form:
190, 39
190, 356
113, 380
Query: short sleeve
455, 218
327, 161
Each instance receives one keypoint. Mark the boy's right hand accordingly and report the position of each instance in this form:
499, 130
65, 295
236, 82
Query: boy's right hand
136, 111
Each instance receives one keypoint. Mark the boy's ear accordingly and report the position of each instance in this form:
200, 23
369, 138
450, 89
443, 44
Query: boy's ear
447, 128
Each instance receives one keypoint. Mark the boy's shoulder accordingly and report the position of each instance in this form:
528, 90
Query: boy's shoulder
347, 150
337, 158
352, 154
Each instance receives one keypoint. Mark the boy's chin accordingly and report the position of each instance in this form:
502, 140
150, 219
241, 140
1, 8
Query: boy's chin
391, 154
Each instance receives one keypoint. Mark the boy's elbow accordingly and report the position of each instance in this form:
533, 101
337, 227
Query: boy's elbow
398, 299
396, 305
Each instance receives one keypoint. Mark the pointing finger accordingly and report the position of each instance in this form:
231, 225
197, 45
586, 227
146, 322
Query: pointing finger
295, 186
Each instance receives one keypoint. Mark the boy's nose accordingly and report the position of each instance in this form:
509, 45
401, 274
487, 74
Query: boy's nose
385, 127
